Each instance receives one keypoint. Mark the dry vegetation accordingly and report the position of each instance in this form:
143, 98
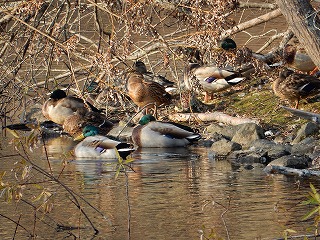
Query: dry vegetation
68, 44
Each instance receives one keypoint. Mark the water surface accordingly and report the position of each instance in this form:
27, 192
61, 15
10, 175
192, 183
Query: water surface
167, 194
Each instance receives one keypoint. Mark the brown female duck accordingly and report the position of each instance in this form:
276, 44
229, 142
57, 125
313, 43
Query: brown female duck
141, 67
296, 57
144, 92
295, 86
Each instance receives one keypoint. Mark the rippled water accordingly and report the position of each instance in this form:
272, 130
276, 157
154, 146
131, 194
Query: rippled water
168, 194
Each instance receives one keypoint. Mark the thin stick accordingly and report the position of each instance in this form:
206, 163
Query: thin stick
140, 110
17, 223
15, 231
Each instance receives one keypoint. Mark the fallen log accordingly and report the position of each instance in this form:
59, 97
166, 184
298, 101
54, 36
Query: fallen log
314, 117
210, 116
272, 169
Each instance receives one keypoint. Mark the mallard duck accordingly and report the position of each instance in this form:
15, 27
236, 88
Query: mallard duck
145, 92
75, 123
141, 67
156, 134
94, 145
294, 86
296, 57
213, 79
60, 106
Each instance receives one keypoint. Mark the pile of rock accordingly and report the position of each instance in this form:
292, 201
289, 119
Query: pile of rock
249, 143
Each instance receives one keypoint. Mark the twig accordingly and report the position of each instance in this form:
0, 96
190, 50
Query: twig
18, 224
242, 26
213, 116
15, 231
291, 171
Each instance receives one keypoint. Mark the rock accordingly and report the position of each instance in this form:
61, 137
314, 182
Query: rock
226, 131
224, 147
306, 146
247, 133
248, 167
306, 130
274, 150
205, 143
248, 157
293, 161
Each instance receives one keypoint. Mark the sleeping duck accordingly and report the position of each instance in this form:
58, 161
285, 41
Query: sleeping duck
60, 106
94, 145
75, 123
156, 134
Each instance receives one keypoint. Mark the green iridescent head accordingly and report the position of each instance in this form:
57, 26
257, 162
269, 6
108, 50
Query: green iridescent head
90, 131
146, 119
58, 94
227, 44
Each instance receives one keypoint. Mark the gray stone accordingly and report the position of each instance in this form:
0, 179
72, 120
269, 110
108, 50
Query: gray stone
293, 161
247, 133
274, 150
224, 147
226, 131
306, 130
248, 157
306, 146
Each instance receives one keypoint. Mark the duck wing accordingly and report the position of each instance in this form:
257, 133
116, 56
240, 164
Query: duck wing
171, 130
304, 84
205, 72
158, 93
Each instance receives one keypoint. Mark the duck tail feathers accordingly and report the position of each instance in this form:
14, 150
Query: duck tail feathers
235, 81
125, 149
193, 138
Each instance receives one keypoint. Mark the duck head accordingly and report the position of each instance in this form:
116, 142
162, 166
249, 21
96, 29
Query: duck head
140, 67
227, 44
146, 119
87, 132
58, 94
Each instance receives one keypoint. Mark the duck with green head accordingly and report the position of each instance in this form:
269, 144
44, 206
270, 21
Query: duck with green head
156, 134
94, 145
60, 106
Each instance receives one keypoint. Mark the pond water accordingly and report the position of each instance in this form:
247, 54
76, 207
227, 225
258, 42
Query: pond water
166, 194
